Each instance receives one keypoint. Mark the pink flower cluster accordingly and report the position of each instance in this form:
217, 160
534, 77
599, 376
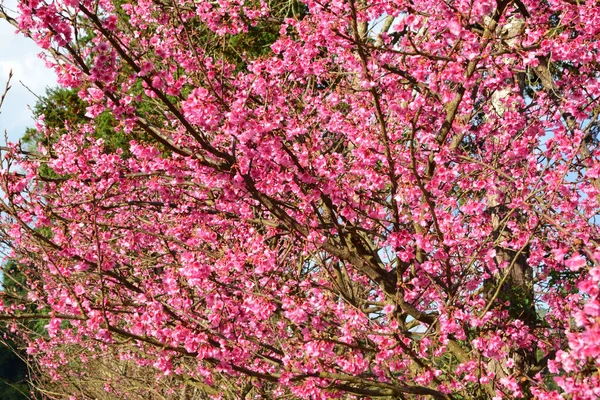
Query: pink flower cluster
392, 199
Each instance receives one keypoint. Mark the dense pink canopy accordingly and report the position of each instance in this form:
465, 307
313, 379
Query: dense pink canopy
399, 199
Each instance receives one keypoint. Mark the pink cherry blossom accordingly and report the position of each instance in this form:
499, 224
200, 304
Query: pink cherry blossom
343, 212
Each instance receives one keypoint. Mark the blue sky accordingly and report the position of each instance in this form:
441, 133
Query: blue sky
21, 55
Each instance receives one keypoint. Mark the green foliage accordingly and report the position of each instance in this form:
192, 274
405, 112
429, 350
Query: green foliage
13, 281
13, 370
60, 105
252, 44
13, 373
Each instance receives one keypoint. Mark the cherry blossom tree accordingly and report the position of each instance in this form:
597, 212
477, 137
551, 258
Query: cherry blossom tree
390, 199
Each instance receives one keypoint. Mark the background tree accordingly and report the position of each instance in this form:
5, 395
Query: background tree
62, 106
352, 213
13, 367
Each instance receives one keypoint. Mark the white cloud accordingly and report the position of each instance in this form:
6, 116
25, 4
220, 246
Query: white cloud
20, 54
